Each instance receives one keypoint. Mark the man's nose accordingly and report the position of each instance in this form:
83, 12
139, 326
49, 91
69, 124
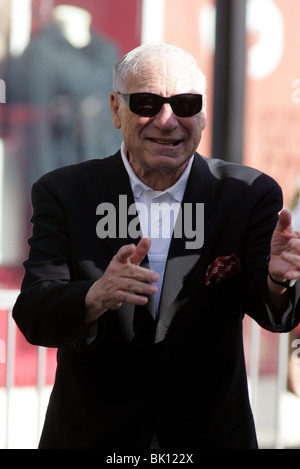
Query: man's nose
166, 116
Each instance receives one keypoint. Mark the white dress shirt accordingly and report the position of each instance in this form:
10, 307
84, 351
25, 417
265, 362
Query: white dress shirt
157, 212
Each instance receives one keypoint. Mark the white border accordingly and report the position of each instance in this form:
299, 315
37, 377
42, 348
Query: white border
153, 15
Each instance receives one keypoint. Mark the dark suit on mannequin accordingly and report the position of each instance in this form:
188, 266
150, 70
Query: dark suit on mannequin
181, 373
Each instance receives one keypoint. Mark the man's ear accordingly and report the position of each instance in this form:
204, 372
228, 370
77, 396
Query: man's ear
204, 113
114, 107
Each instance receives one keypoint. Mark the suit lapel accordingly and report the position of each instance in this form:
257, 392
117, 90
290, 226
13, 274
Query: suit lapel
116, 185
180, 259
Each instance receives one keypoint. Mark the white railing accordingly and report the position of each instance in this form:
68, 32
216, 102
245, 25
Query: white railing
279, 383
7, 300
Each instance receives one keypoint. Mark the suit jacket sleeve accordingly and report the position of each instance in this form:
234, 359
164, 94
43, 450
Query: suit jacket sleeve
259, 233
50, 310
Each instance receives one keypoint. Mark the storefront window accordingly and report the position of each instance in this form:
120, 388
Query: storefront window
56, 60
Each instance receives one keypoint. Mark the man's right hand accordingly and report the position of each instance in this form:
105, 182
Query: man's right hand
124, 281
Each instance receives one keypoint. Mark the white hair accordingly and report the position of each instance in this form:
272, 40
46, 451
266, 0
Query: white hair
131, 64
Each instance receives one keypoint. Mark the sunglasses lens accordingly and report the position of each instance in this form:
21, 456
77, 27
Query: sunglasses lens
145, 104
148, 104
186, 105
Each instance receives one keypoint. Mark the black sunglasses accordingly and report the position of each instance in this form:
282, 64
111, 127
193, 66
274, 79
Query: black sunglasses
149, 104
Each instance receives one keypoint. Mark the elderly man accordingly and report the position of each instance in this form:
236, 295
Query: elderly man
149, 326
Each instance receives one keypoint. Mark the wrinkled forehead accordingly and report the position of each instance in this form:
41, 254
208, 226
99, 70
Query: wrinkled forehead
166, 76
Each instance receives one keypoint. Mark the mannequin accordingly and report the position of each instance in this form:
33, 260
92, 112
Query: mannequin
66, 74
74, 24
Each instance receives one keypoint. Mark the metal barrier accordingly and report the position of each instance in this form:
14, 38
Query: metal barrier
280, 383
7, 300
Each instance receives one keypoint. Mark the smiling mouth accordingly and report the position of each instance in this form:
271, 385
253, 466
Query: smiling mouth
167, 143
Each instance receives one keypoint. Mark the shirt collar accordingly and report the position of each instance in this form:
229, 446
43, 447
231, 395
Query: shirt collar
138, 187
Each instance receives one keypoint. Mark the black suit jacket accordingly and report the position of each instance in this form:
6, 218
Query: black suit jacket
182, 374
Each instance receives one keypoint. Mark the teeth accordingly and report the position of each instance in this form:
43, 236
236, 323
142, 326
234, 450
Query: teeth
170, 144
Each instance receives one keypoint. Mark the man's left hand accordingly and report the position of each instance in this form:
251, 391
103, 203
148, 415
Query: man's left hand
285, 250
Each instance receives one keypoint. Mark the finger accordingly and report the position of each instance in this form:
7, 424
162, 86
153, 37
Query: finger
141, 251
285, 221
124, 253
294, 245
136, 286
293, 259
140, 273
133, 299
127, 270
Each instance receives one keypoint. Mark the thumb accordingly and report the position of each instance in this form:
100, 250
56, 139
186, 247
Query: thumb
141, 251
285, 221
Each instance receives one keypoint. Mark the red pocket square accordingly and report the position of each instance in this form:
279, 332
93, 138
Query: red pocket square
221, 268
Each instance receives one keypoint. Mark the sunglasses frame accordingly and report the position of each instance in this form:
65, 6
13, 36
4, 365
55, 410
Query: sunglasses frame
160, 101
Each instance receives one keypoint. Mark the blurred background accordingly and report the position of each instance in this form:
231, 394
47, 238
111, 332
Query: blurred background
56, 61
